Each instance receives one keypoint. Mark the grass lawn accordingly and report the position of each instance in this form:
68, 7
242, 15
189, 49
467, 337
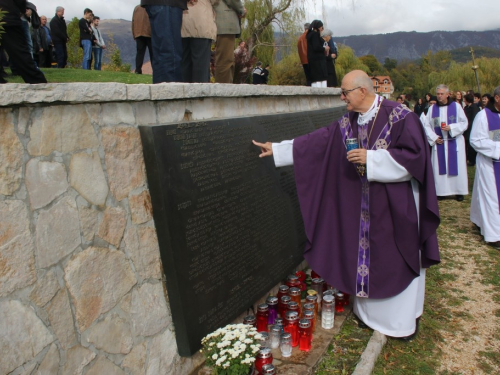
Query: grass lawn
80, 75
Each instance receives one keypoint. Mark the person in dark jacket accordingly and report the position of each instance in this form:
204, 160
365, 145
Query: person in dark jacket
42, 44
471, 110
331, 81
86, 37
317, 49
15, 44
59, 36
165, 17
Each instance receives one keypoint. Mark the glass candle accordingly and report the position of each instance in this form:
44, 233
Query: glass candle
292, 326
278, 322
339, 302
293, 306
328, 312
308, 307
292, 281
265, 340
250, 320
295, 294
318, 284
328, 292
283, 291
268, 369
262, 317
272, 302
274, 336
305, 335
286, 344
285, 300
310, 315
314, 300
346, 298
264, 357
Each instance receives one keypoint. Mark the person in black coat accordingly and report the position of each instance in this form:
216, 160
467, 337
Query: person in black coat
59, 34
317, 49
15, 44
471, 110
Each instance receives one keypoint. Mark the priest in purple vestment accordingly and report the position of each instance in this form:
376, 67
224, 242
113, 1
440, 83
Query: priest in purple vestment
370, 214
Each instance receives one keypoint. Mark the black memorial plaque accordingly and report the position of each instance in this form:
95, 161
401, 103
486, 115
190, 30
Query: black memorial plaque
228, 222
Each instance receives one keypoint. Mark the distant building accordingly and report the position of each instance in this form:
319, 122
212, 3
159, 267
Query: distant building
383, 86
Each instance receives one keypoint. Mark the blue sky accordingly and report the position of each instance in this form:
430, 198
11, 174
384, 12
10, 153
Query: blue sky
344, 17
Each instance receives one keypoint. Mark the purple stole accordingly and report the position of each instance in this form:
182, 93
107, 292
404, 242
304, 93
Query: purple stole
452, 142
494, 128
382, 141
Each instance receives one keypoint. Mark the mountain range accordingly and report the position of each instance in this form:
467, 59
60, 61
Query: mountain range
400, 45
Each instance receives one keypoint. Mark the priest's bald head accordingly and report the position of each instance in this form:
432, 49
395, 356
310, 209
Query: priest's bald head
357, 91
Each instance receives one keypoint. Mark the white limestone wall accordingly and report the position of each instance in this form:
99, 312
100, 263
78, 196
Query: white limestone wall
81, 288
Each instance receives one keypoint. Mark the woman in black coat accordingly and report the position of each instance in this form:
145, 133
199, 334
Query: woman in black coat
317, 49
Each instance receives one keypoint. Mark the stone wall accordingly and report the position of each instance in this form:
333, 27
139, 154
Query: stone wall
81, 288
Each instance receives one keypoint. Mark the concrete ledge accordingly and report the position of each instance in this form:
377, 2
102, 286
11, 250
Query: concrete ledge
20, 93
370, 355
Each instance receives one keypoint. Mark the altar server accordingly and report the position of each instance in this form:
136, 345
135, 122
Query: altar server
485, 139
445, 124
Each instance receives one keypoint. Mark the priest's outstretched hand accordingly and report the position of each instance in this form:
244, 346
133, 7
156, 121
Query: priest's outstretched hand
265, 148
357, 156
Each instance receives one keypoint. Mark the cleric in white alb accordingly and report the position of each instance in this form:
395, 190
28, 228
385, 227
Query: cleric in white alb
485, 138
445, 123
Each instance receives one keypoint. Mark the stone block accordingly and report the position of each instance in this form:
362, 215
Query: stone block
124, 160
140, 207
88, 222
97, 279
17, 260
113, 225
145, 113
162, 354
45, 288
11, 155
142, 247
104, 367
170, 111
45, 181
135, 362
112, 335
138, 92
61, 128
50, 364
87, 177
57, 232
22, 335
76, 359
117, 114
149, 312
23, 120
168, 91
61, 319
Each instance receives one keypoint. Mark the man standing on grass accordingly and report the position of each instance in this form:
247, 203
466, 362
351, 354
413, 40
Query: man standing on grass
86, 37
59, 34
165, 17
99, 44
370, 214
445, 123
141, 32
15, 43
485, 204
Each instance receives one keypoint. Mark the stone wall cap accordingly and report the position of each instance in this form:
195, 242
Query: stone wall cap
95, 92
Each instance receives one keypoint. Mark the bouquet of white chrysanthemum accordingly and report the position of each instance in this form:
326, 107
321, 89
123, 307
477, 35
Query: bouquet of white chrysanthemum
231, 350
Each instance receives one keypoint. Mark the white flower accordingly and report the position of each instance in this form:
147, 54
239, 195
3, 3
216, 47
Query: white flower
215, 356
225, 365
248, 341
243, 347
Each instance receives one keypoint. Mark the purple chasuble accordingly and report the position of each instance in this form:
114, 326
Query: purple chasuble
452, 142
344, 214
494, 128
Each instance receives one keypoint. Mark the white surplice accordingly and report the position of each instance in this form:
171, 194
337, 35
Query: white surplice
445, 184
484, 208
394, 316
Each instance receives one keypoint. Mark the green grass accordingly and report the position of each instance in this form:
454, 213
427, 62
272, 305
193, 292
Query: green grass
79, 75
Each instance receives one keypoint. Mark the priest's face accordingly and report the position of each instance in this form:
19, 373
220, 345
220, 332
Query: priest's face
442, 96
